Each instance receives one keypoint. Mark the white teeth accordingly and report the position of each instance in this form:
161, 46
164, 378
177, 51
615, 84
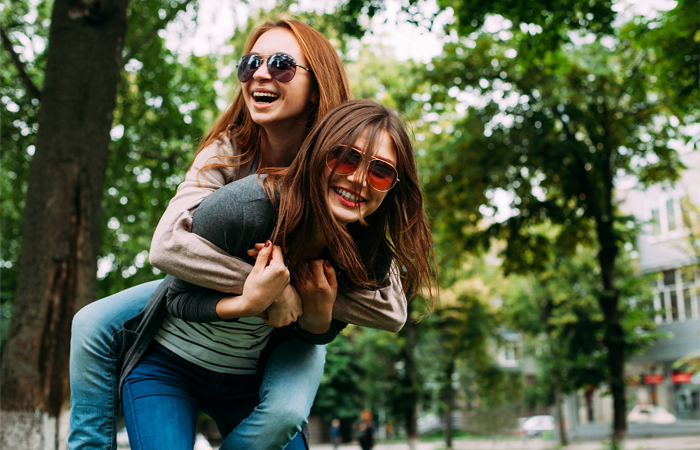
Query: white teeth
348, 196
265, 94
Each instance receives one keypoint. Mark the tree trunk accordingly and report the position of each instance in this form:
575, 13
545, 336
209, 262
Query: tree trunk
62, 215
589, 403
411, 414
614, 338
449, 399
560, 415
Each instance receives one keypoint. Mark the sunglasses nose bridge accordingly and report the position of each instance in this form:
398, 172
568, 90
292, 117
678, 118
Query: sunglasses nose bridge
262, 71
360, 175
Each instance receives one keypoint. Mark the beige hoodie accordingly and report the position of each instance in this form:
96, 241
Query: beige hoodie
178, 252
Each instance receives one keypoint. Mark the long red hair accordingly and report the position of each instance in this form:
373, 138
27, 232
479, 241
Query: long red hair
398, 230
330, 82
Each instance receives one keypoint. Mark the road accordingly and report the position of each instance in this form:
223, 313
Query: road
668, 443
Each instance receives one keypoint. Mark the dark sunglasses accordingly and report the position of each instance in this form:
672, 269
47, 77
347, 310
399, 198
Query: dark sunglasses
382, 176
281, 67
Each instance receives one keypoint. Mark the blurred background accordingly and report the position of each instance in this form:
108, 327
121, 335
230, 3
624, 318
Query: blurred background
558, 153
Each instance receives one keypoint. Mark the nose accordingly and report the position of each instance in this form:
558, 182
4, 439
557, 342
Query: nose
359, 176
261, 73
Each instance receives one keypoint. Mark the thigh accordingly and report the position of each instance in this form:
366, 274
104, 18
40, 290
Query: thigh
233, 399
291, 378
99, 321
160, 406
93, 373
297, 443
292, 375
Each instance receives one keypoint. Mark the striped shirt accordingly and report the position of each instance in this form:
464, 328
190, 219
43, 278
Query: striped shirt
224, 347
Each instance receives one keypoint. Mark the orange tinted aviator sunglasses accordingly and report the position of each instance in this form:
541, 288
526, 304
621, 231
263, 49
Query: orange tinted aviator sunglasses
381, 175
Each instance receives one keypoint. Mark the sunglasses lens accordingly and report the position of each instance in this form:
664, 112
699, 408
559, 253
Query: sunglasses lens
247, 67
382, 176
344, 164
282, 67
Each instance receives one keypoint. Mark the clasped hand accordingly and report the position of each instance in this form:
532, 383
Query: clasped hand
268, 279
316, 292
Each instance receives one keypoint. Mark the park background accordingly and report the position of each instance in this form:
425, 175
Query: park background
535, 124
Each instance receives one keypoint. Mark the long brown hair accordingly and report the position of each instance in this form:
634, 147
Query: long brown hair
330, 81
398, 230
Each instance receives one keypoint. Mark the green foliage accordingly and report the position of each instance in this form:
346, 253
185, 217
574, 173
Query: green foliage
165, 104
553, 132
553, 18
672, 47
18, 127
339, 394
558, 311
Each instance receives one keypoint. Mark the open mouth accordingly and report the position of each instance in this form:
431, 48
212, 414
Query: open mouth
348, 196
265, 97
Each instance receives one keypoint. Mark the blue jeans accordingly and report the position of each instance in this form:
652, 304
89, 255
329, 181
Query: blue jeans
282, 411
164, 393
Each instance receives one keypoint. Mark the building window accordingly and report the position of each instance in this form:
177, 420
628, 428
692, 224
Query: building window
665, 217
508, 354
671, 214
655, 221
676, 295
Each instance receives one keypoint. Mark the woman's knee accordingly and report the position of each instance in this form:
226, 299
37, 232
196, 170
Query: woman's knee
86, 324
100, 320
290, 418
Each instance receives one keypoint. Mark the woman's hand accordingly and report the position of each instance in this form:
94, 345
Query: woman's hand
284, 310
253, 252
264, 284
318, 291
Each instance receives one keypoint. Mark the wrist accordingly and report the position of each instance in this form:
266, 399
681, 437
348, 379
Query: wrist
314, 323
235, 307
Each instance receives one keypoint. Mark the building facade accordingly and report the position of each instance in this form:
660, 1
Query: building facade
669, 250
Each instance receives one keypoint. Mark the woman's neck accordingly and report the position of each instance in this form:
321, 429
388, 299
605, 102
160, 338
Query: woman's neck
280, 147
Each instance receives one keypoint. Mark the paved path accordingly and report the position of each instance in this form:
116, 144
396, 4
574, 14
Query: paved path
670, 443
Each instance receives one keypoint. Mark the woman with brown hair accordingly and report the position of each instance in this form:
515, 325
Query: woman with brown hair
290, 77
349, 203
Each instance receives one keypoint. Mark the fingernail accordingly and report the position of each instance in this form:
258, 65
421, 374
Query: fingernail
327, 263
267, 243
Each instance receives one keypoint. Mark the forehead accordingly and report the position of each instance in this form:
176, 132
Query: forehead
278, 40
384, 147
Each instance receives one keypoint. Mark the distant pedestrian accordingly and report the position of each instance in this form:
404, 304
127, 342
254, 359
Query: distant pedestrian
336, 438
366, 431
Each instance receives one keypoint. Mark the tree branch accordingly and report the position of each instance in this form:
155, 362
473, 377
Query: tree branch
29, 84
154, 30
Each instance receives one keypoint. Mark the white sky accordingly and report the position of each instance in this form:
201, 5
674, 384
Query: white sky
218, 19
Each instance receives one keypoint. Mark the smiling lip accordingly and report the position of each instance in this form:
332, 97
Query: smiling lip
337, 191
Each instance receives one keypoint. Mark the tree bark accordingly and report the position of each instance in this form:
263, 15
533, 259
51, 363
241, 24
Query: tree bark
411, 413
62, 214
449, 399
560, 415
589, 404
614, 338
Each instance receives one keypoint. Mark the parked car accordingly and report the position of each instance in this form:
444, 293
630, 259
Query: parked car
536, 425
650, 414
